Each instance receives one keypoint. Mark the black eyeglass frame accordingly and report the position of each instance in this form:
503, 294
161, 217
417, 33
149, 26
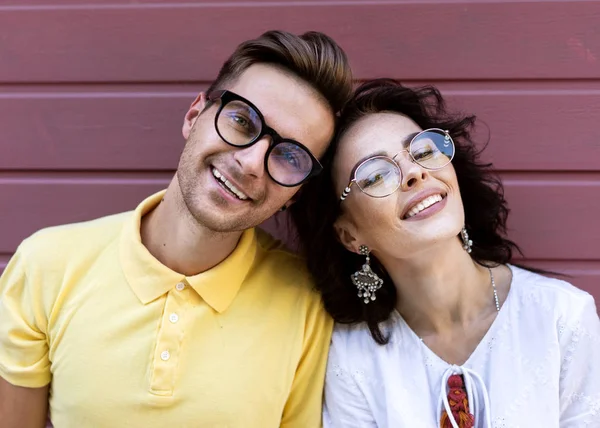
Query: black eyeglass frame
226, 97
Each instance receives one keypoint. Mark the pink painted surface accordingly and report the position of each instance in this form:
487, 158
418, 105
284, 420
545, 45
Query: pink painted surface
128, 41
95, 127
92, 97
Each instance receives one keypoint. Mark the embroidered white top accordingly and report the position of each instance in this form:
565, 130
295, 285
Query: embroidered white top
537, 366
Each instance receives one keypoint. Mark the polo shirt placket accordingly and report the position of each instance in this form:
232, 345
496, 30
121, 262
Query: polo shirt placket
169, 340
213, 291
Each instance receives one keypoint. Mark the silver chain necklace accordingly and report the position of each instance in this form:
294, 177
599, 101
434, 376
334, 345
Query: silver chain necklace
495, 295
494, 288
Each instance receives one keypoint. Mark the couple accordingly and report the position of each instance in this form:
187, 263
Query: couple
181, 313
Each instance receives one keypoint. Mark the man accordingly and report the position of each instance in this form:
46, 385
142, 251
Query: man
180, 313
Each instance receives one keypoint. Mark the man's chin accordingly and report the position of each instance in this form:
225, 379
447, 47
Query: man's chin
220, 215
223, 222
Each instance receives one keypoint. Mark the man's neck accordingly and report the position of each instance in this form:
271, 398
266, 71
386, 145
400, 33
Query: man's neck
176, 239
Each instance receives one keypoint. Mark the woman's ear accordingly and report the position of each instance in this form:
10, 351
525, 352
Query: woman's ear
346, 233
192, 114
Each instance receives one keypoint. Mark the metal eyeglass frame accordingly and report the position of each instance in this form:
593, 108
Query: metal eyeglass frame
348, 188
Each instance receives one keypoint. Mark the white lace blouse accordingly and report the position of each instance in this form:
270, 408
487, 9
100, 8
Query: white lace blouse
538, 366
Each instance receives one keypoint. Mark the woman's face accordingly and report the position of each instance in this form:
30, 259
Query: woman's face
425, 210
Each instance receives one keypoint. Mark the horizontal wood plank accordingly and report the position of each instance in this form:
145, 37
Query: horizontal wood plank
535, 130
554, 216
140, 129
541, 220
129, 41
32, 204
108, 130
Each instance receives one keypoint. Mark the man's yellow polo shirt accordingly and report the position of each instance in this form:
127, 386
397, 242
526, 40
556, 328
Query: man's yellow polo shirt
127, 342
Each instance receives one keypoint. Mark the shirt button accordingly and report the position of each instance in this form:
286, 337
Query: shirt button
164, 355
180, 286
173, 318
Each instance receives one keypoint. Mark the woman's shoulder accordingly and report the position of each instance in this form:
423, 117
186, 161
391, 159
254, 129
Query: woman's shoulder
353, 344
355, 339
351, 335
555, 296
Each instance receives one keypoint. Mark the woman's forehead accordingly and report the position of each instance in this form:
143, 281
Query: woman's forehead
377, 133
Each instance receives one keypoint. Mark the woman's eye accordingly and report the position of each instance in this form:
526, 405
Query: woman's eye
423, 154
425, 151
374, 179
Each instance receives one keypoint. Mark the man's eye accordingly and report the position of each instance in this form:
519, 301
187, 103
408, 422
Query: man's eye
241, 121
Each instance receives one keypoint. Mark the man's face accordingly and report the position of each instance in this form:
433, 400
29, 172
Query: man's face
249, 196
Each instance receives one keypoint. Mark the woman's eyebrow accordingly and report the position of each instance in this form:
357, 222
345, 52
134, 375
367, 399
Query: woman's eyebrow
369, 156
408, 139
405, 142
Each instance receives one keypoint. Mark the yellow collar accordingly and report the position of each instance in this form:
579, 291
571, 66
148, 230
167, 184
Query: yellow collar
150, 279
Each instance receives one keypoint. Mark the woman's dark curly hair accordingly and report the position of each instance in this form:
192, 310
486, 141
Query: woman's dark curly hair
317, 206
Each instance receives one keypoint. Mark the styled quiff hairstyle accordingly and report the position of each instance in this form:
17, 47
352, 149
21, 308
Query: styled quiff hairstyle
314, 57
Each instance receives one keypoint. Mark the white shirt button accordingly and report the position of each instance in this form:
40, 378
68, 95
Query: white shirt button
173, 318
180, 286
164, 355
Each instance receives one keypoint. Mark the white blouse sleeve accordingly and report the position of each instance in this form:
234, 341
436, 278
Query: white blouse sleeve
345, 406
580, 367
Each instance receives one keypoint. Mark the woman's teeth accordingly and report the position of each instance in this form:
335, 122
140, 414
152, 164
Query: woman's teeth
425, 203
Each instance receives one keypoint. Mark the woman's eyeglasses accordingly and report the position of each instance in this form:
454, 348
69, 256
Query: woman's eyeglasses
380, 176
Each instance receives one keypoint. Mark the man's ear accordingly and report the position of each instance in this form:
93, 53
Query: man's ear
346, 233
292, 200
192, 114
286, 205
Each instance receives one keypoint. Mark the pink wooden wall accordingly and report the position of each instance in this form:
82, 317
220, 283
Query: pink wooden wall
92, 97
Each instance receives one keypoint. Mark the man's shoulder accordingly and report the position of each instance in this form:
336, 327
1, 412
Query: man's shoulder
276, 251
72, 241
281, 262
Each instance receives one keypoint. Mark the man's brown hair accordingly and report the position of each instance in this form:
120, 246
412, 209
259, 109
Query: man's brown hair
314, 57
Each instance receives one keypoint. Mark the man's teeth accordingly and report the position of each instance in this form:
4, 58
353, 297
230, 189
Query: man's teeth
425, 203
228, 184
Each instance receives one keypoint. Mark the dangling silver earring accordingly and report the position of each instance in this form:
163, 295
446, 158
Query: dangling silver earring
365, 280
467, 243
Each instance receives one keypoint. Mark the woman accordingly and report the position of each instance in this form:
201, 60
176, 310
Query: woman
405, 238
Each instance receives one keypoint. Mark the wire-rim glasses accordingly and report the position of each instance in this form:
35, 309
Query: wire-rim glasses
380, 176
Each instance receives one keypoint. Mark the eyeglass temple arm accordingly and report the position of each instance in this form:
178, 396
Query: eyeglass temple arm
347, 190
214, 94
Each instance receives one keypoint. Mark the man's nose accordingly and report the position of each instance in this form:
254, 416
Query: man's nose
252, 159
